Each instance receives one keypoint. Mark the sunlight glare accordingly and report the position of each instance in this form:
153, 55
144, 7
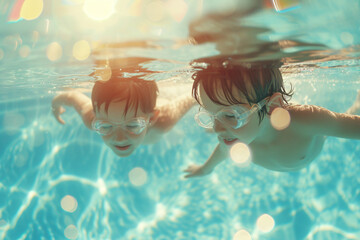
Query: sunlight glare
24, 51
265, 223
242, 235
99, 10
280, 118
102, 186
54, 51
240, 153
81, 50
31, 9
138, 176
69, 203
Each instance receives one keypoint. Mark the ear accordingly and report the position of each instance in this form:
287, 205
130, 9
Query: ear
154, 116
275, 101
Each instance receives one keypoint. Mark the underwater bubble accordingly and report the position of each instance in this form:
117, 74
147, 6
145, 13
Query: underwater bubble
24, 51
69, 203
242, 235
265, 223
12, 122
81, 50
54, 51
31, 9
138, 176
155, 11
280, 118
347, 38
99, 10
240, 153
71, 232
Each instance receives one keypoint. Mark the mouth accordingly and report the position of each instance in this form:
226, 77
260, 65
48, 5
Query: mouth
122, 148
228, 141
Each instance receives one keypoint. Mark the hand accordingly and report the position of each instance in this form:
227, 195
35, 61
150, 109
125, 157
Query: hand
58, 109
196, 171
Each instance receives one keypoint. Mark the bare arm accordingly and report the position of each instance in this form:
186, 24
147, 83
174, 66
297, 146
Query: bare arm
172, 112
80, 102
314, 120
218, 155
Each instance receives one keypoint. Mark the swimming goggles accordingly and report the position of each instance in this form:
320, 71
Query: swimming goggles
132, 126
234, 116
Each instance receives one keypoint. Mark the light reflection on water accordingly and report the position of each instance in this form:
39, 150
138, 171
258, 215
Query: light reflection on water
61, 181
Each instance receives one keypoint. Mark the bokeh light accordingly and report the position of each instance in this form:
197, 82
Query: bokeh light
177, 9
54, 51
69, 203
99, 10
280, 118
31, 9
138, 176
24, 51
71, 232
242, 235
265, 223
347, 38
81, 50
155, 11
240, 153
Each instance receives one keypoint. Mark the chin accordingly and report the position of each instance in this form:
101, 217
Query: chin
123, 154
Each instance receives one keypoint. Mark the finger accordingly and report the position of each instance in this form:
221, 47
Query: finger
60, 120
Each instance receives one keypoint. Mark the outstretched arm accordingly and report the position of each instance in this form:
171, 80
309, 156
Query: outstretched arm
218, 155
314, 120
172, 112
77, 100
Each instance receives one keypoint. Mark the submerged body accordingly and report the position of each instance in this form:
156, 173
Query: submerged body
125, 112
287, 149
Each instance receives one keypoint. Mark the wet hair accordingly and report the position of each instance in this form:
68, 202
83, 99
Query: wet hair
138, 93
253, 83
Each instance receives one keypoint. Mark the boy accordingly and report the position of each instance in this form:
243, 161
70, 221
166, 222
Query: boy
124, 112
238, 103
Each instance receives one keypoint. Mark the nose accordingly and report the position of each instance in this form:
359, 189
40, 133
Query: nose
218, 126
119, 135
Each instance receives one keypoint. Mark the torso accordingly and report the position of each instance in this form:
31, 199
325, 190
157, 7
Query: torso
290, 151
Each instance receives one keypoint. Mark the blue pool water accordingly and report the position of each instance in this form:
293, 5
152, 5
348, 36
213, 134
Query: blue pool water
62, 182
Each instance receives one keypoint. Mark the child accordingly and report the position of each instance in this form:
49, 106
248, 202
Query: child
238, 102
124, 112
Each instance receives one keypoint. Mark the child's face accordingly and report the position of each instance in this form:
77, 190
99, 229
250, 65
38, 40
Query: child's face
122, 141
226, 134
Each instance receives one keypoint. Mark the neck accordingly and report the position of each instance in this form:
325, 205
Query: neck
267, 133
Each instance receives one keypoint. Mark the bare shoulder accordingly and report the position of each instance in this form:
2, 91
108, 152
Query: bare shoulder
315, 120
170, 112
